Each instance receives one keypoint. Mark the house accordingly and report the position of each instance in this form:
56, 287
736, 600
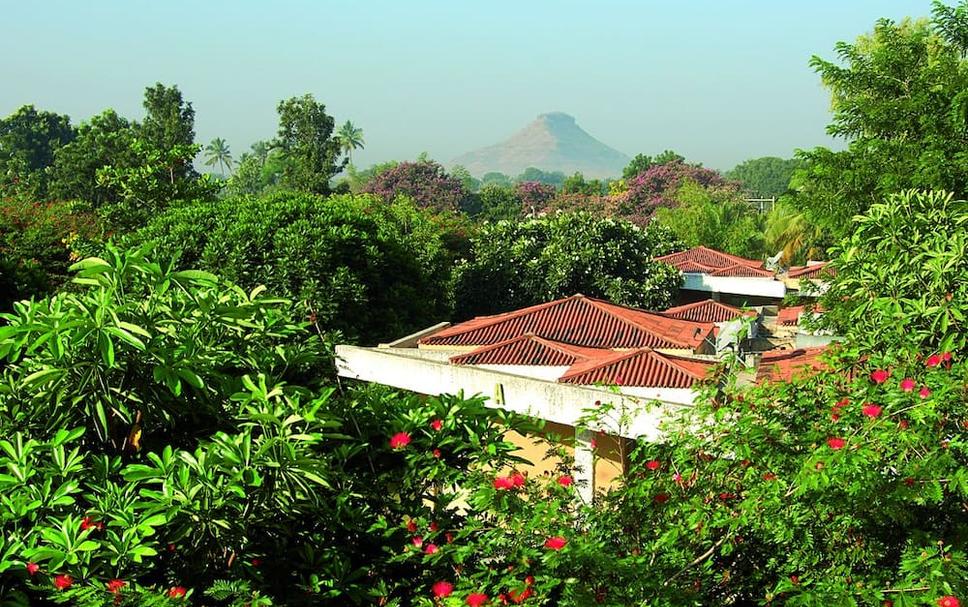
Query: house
557, 361
809, 280
785, 365
724, 277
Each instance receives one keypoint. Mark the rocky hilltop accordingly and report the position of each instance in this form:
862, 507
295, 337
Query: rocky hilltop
553, 142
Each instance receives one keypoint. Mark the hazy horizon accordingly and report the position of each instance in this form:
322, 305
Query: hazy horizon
715, 82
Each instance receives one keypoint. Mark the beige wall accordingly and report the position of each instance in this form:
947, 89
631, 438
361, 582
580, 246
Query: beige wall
610, 453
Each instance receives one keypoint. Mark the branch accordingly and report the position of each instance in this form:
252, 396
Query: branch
702, 557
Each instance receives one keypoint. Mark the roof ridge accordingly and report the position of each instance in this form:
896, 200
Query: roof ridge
619, 356
487, 321
668, 360
602, 305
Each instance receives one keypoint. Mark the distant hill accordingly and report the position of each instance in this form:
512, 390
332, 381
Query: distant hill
553, 142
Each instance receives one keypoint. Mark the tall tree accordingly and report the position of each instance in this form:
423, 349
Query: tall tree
103, 141
28, 141
217, 153
169, 119
764, 177
900, 97
350, 138
307, 144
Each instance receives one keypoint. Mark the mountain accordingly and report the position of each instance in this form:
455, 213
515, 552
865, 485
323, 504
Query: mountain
553, 142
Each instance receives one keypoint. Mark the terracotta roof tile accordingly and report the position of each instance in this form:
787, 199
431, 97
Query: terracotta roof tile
707, 311
528, 350
639, 368
579, 321
816, 270
789, 317
705, 260
784, 365
742, 271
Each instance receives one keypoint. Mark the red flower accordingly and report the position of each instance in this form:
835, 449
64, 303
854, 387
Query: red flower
661, 498
436, 453
795, 580
115, 586
529, 580
430, 549
476, 599
907, 384
449, 537
89, 523
949, 601
653, 465
769, 476
903, 424
871, 410
836, 443
256, 562
437, 424
924, 392
503, 483
399, 440
442, 589
835, 416
842, 402
417, 541
518, 480
171, 547
434, 526
63, 582
555, 543
519, 597
880, 376
727, 496
565, 480
32, 568
177, 592
933, 361
909, 481
411, 525
946, 357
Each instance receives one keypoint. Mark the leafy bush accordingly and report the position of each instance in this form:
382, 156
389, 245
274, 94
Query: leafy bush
425, 182
901, 275
514, 265
35, 243
156, 454
369, 269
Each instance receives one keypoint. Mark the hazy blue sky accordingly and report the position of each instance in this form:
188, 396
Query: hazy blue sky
717, 81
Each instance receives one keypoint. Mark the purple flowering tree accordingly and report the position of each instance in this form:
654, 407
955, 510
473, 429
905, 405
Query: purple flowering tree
654, 187
425, 182
534, 194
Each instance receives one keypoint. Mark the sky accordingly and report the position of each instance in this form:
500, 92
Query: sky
717, 81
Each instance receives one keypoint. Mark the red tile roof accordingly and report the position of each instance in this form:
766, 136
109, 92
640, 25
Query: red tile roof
579, 321
784, 365
639, 368
742, 271
528, 350
788, 317
710, 261
707, 311
817, 270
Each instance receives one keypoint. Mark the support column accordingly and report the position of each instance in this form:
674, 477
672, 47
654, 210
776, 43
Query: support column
585, 464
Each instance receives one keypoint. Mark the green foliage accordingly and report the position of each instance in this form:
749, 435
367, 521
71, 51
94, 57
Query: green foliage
900, 96
765, 177
217, 153
106, 140
231, 486
107, 358
513, 265
554, 178
306, 143
499, 202
719, 218
901, 275
791, 233
350, 138
355, 264
28, 142
576, 184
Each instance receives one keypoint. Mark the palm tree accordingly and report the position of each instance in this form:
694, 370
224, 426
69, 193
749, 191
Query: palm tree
350, 138
217, 152
792, 234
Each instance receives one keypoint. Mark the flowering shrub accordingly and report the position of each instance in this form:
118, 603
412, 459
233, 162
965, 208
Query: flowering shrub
534, 195
425, 182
